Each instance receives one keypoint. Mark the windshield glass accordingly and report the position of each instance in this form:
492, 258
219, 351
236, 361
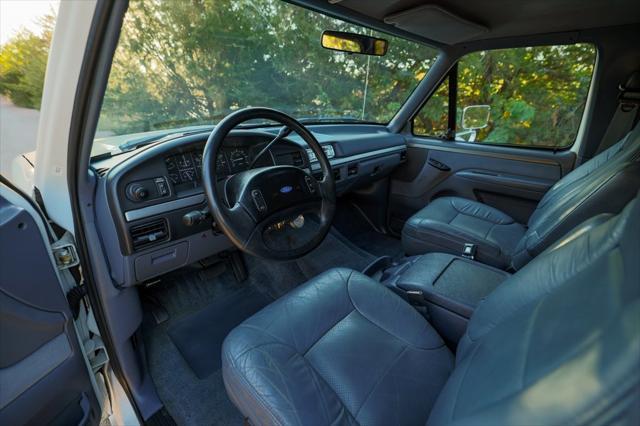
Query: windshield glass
177, 66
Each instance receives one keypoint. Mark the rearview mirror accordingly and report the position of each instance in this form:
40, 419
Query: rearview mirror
475, 117
354, 43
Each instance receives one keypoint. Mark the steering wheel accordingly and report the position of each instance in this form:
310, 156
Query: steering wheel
276, 212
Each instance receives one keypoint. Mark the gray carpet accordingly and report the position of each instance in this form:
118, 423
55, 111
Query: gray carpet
378, 244
196, 300
334, 251
356, 228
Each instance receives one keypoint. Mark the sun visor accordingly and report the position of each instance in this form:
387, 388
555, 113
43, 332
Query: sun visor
435, 23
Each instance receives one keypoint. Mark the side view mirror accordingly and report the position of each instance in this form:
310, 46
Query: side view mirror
354, 43
475, 117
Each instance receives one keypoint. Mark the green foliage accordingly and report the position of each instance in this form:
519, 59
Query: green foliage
537, 94
23, 61
433, 117
193, 62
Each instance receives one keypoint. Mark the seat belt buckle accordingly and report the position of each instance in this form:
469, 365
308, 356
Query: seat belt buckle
469, 251
416, 297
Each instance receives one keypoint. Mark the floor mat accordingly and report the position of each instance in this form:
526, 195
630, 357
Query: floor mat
199, 336
189, 400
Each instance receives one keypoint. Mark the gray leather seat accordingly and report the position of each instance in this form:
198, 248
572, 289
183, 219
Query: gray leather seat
339, 349
557, 343
603, 184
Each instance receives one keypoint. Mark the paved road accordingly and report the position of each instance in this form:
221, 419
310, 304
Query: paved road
18, 132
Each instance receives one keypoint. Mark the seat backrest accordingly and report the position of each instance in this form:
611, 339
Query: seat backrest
559, 341
604, 184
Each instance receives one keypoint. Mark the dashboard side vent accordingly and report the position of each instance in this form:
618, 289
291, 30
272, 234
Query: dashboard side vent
102, 171
148, 234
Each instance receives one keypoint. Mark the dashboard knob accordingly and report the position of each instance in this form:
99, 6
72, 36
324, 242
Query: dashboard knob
137, 192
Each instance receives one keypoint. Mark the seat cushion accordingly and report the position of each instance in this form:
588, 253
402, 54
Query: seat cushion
341, 348
448, 223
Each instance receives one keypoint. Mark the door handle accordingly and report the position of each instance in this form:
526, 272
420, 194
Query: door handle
438, 165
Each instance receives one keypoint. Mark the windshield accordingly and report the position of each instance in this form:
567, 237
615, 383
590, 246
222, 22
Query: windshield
178, 66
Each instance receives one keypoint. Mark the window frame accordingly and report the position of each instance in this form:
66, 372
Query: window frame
452, 76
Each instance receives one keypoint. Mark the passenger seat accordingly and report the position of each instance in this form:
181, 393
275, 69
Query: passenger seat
604, 184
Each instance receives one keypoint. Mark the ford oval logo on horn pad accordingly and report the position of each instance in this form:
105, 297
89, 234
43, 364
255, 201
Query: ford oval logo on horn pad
286, 189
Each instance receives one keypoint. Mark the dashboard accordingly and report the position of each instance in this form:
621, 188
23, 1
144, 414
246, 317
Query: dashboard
144, 196
184, 167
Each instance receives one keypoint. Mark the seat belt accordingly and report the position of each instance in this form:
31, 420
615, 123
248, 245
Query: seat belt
626, 114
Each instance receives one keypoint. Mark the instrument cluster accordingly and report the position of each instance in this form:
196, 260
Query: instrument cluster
184, 170
185, 167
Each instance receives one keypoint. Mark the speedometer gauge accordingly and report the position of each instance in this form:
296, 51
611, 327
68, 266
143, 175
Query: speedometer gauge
184, 161
238, 159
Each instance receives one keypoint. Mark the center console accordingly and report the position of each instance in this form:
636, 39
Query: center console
445, 288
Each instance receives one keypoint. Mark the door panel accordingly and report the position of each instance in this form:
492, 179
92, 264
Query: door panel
43, 375
510, 179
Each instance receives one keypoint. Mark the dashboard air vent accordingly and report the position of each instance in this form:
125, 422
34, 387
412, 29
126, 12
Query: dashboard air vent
102, 171
148, 234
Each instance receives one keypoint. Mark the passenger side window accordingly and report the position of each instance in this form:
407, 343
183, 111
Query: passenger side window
527, 97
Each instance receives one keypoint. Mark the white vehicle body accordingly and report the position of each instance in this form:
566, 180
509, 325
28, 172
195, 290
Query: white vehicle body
43, 173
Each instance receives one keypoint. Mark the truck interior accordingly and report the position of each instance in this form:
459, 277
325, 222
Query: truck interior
437, 222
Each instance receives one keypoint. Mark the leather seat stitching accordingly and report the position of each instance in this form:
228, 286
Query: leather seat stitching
325, 333
382, 376
393, 334
529, 334
486, 235
265, 407
316, 385
277, 340
453, 218
462, 379
336, 323
290, 323
453, 205
258, 396
286, 397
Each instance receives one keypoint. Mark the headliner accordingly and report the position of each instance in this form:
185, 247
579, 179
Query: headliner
509, 18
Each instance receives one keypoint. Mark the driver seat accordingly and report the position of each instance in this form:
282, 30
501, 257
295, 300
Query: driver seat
557, 343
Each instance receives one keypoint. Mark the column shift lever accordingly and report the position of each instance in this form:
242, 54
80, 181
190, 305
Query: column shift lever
195, 217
